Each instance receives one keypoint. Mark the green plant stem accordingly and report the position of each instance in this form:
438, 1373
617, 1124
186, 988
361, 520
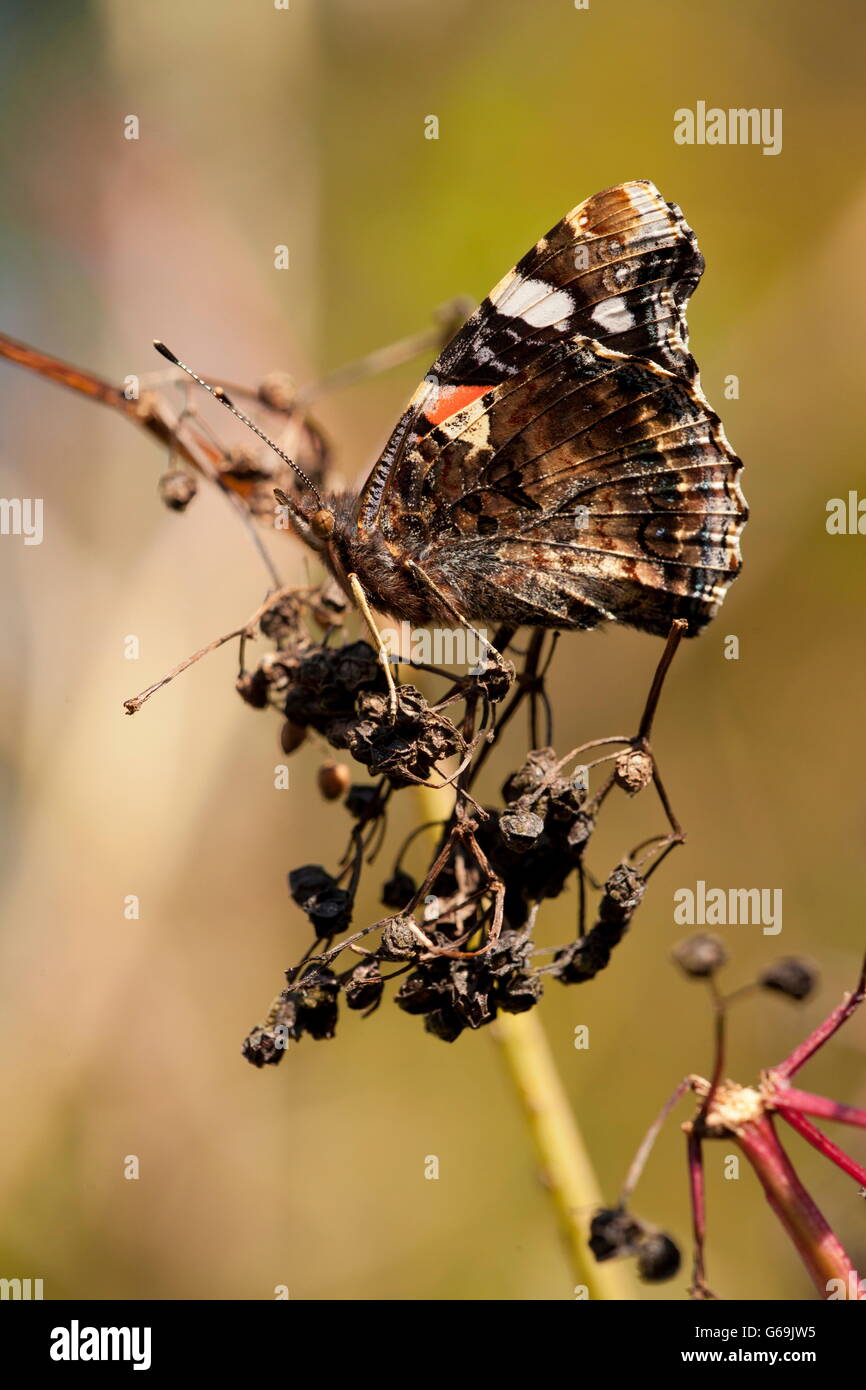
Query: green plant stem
563, 1159
566, 1168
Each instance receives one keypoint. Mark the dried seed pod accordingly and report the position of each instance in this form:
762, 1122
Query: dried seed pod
363, 989
291, 736
277, 391
333, 779
528, 778
399, 940
245, 464
580, 832
622, 894
329, 605
520, 829
317, 994
633, 770
399, 890
494, 680
177, 488
263, 1048
700, 955
790, 975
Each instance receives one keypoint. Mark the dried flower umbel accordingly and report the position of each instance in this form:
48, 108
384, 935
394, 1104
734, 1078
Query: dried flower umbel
745, 1115
459, 941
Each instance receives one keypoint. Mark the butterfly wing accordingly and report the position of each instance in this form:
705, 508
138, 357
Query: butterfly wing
559, 464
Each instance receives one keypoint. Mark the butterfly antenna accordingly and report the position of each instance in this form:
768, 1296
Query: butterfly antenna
219, 394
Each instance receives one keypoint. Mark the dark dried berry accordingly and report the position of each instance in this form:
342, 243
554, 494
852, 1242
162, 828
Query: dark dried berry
700, 955
399, 939
790, 975
658, 1258
520, 829
177, 488
633, 770
445, 1024
567, 797
519, 992
328, 906
317, 996
252, 686
363, 989
423, 990
539, 765
399, 891
362, 801
613, 1231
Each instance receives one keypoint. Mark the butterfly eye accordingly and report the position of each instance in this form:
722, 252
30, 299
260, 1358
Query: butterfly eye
322, 523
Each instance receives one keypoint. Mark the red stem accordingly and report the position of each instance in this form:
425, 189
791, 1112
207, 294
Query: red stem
818, 1247
789, 1098
824, 1145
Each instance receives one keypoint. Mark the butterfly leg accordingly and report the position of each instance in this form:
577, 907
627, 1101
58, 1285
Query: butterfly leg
384, 655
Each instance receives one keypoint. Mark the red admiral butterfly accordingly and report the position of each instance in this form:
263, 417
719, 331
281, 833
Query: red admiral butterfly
559, 465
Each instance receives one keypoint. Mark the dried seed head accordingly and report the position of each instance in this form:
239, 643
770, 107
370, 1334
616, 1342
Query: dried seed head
633, 770
791, 975
399, 940
282, 623
177, 488
333, 779
700, 955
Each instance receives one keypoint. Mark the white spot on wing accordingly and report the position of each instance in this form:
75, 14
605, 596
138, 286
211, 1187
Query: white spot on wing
534, 301
613, 315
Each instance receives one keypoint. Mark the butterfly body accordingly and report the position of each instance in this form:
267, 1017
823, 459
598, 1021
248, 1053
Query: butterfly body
559, 466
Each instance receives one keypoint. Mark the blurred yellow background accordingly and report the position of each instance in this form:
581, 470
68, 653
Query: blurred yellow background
306, 127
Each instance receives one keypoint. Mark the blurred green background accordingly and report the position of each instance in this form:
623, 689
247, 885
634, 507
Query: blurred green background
306, 127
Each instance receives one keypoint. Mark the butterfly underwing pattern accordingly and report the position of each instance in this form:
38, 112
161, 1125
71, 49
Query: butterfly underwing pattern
559, 466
